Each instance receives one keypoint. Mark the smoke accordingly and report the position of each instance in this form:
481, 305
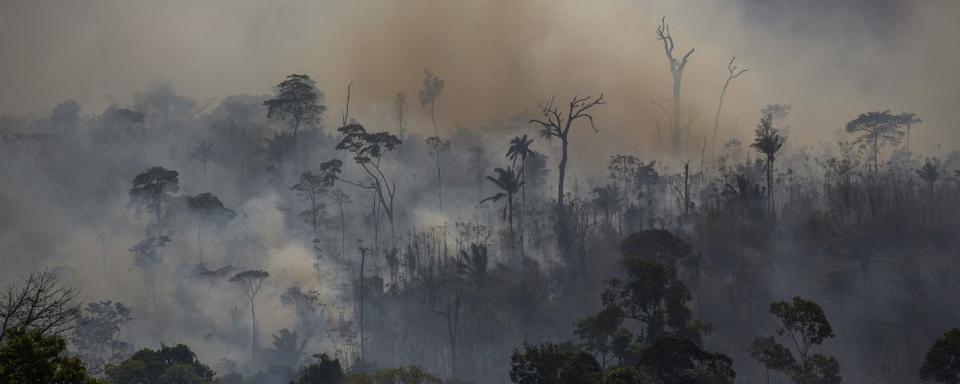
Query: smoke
829, 61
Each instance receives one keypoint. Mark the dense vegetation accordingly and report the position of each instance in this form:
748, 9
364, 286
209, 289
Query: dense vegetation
269, 245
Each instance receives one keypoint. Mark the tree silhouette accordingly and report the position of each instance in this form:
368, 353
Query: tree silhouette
148, 256
768, 141
508, 181
209, 212
312, 188
39, 304
368, 150
152, 189
876, 129
341, 198
432, 88
520, 149
556, 123
203, 152
805, 326
437, 146
250, 282
298, 101
734, 72
909, 119
676, 72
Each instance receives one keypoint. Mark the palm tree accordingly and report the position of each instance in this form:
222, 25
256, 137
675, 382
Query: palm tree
509, 182
203, 152
930, 173
768, 141
520, 148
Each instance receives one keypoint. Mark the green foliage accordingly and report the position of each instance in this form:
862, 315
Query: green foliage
942, 361
400, 375
28, 357
767, 139
677, 360
605, 336
168, 365
771, 354
297, 100
805, 325
323, 371
95, 338
552, 364
651, 293
802, 320
151, 188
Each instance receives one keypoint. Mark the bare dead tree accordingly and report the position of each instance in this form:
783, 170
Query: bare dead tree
555, 124
735, 72
40, 304
676, 71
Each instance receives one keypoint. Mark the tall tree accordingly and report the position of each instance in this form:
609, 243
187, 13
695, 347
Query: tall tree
520, 149
298, 101
768, 141
557, 123
312, 188
400, 111
341, 198
152, 189
676, 72
734, 72
148, 256
508, 181
876, 129
368, 149
804, 326
250, 282
95, 340
909, 119
208, 213
203, 152
437, 146
432, 88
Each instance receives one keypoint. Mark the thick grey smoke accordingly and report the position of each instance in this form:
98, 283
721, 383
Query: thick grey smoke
64, 201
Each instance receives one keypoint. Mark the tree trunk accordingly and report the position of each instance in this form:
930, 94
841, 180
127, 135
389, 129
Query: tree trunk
675, 129
253, 344
439, 179
770, 205
363, 259
562, 172
523, 203
343, 233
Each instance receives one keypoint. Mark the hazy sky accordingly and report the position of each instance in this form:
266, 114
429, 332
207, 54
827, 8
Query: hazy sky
830, 60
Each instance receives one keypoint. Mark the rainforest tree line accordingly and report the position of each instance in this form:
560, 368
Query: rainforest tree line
296, 248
